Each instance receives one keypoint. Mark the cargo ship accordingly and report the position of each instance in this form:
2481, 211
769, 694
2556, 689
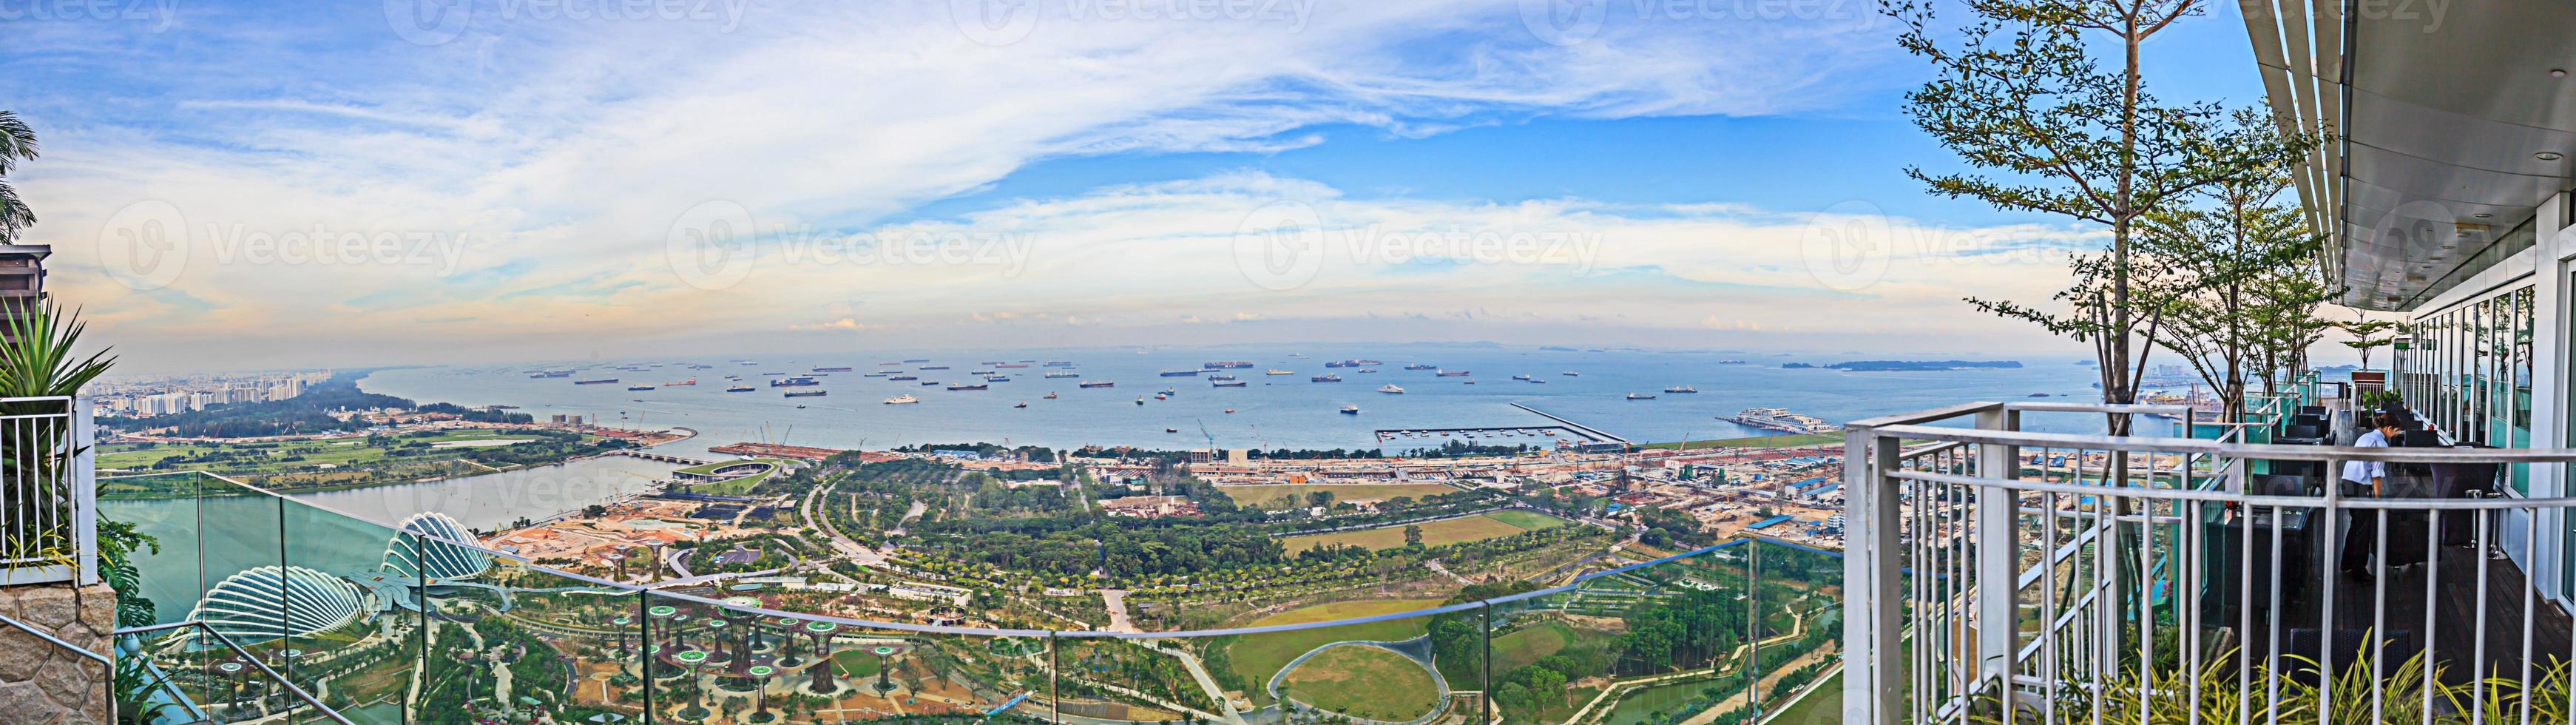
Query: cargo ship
1228, 383
917, 360
601, 381
902, 400
1570, 373
1522, 376
1391, 389
1350, 410
1421, 366
1100, 384
1276, 371
1064, 374
1222, 376
794, 382
1058, 363
832, 370
680, 383
1681, 389
905, 377
934, 367
1352, 363
930, 382
552, 374
806, 393
1010, 365
1223, 364
1448, 374
997, 378
1634, 396
1324, 378
970, 386
639, 387
740, 389
1181, 373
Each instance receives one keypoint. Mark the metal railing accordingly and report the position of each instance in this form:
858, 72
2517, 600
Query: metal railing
200, 631
2002, 575
667, 655
48, 508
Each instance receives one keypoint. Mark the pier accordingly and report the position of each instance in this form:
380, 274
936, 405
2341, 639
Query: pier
1588, 436
1588, 431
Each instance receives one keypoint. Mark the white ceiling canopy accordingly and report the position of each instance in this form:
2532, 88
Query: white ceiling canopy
2453, 126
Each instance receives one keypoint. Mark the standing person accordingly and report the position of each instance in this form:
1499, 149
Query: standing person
2364, 524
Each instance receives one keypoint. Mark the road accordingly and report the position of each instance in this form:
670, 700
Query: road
1435, 566
842, 544
1116, 600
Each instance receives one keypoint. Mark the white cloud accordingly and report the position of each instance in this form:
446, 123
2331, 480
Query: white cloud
553, 155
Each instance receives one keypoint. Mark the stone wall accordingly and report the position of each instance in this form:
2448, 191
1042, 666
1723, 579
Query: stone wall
40, 682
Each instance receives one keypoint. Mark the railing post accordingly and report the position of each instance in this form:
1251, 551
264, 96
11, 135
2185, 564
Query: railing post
1872, 592
1998, 550
84, 490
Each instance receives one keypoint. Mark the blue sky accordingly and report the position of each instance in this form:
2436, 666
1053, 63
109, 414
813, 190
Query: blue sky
533, 180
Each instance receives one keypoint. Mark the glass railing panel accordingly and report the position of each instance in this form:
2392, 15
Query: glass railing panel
734, 660
348, 599
1387, 668
1655, 642
224, 563
1797, 607
1138, 679
167, 508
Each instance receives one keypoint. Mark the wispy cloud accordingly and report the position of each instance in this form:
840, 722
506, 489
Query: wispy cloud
525, 176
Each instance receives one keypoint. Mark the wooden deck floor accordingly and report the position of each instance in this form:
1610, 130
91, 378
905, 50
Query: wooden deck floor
2477, 628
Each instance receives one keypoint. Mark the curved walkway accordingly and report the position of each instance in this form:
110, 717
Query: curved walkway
1417, 649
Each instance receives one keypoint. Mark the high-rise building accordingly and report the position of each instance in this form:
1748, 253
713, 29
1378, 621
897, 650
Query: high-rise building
22, 282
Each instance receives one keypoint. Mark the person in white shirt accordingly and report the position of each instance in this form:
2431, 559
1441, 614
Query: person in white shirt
2362, 531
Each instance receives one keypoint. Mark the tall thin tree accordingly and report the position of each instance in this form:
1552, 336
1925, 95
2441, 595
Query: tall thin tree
2019, 94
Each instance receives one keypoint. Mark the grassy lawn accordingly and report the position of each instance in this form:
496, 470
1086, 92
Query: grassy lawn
1778, 441
1267, 496
1366, 682
1637, 705
1820, 707
1527, 644
1254, 658
854, 663
1450, 531
1527, 520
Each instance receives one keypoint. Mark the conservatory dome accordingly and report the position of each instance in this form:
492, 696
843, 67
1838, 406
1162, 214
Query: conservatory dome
429, 545
268, 602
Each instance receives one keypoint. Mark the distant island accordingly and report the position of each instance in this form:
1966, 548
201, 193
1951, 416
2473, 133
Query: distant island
1878, 365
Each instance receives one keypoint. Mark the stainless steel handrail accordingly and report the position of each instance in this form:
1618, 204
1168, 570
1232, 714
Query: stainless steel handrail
49, 637
236, 647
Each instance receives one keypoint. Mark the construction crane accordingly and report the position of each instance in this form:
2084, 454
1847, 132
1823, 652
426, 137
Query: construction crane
1211, 437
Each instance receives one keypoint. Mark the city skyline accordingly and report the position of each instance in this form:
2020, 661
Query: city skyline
538, 185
